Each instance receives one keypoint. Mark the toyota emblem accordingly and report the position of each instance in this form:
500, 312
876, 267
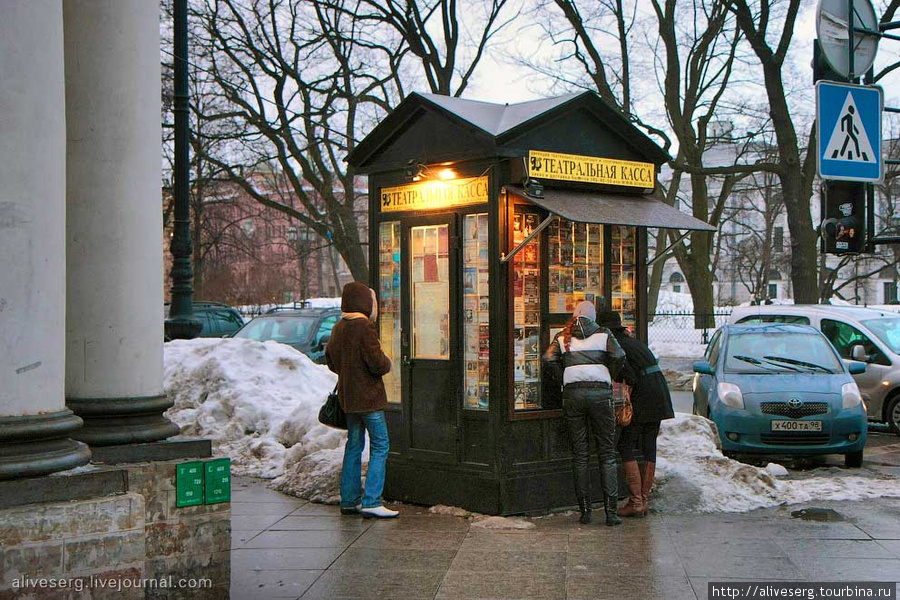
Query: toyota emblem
795, 403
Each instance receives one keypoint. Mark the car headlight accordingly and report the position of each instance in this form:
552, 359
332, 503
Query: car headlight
850, 396
730, 395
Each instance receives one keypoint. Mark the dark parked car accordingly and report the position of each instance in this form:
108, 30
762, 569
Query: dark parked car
218, 320
781, 389
306, 329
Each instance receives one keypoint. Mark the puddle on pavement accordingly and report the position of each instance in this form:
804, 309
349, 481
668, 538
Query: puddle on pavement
821, 515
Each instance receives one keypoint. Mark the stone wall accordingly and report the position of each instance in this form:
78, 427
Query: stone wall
101, 539
192, 542
135, 539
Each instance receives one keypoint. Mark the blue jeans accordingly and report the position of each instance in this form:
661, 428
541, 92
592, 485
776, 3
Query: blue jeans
351, 472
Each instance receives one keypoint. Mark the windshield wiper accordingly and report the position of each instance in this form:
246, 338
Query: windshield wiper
799, 363
752, 361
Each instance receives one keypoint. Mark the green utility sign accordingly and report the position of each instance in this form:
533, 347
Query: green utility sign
202, 482
189, 484
218, 481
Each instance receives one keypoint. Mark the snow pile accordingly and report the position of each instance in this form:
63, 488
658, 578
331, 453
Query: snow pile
258, 402
693, 475
481, 521
674, 302
453, 511
324, 302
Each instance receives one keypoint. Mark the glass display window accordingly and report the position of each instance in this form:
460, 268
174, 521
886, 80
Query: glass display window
389, 303
527, 305
430, 298
575, 252
476, 305
624, 271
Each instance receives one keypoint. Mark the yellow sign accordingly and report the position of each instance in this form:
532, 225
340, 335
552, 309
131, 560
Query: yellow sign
590, 169
429, 195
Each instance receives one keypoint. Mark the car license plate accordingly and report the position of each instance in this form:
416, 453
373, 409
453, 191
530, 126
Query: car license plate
796, 425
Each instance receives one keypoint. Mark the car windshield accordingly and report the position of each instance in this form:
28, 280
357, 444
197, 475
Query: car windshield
887, 330
289, 330
776, 352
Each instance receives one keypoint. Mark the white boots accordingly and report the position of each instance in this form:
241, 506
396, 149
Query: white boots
379, 512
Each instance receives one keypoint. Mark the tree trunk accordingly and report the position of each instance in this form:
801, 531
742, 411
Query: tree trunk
656, 272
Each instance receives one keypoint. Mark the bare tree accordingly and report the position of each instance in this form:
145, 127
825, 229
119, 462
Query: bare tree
433, 32
795, 171
696, 64
752, 249
299, 81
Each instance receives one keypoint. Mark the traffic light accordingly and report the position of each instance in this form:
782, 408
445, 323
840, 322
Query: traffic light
843, 227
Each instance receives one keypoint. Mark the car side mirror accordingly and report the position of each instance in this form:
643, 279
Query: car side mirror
703, 367
856, 367
858, 352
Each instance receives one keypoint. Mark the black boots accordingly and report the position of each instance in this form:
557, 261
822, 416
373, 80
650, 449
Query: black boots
584, 505
610, 504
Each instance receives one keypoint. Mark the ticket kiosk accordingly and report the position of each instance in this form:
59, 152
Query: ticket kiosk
488, 223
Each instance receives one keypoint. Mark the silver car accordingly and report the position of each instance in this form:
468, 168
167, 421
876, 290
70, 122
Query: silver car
857, 333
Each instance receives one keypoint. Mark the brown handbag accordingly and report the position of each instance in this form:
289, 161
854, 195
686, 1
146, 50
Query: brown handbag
624, 412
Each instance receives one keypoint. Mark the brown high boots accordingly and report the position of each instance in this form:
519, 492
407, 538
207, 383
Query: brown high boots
635, 505
647, 483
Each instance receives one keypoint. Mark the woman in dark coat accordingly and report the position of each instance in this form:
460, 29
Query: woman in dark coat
651, 402
355, 354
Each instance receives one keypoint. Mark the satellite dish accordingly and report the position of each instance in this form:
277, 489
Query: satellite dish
832, 18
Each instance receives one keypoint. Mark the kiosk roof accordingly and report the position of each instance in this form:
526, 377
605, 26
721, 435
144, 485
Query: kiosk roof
613, 209
435, 128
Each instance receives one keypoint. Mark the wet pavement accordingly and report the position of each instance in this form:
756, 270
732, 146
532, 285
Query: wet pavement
283, 547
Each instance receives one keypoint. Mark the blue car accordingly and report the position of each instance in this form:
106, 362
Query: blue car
779, 388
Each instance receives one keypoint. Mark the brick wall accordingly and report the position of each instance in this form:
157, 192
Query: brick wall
124, 538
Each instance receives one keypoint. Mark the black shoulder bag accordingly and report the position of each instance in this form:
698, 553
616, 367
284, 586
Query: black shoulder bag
331, 414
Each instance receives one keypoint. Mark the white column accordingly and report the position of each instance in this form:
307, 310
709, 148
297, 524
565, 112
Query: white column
114, 319
34, 422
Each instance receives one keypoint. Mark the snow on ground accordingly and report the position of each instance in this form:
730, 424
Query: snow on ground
694, 476
257, 401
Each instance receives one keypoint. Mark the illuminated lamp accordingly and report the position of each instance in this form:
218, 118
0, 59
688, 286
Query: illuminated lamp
446, 174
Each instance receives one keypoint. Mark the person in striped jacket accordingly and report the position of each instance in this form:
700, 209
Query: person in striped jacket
585, 359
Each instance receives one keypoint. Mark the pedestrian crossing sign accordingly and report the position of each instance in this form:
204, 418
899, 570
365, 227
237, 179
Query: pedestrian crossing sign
848, 131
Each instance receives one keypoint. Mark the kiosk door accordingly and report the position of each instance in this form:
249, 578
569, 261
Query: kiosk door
428, 344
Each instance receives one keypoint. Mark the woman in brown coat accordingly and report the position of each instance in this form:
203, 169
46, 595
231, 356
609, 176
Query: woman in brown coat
355, 354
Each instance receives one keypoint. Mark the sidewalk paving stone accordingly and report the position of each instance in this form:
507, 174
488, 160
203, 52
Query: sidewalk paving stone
461, 585
377, 585
295, 549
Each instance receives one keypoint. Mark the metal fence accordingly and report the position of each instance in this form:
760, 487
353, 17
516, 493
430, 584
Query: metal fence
678, 327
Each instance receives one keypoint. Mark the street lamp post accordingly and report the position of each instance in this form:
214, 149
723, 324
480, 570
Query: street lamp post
181, 323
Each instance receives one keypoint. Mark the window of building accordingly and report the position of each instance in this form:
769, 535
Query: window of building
778, 240
890, 292
773, 290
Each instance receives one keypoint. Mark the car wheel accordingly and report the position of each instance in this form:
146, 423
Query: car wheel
854, 459
893, 414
